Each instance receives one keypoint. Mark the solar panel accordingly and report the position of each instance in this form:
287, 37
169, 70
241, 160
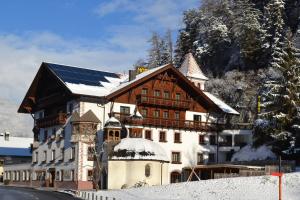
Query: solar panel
80, 76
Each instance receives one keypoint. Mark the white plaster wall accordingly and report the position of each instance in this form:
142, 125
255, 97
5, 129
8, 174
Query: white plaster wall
131, 172
189, 115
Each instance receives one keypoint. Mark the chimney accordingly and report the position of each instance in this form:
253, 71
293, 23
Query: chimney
6, 136
132, 75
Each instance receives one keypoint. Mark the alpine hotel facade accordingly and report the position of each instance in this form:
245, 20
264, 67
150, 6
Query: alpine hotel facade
101, 129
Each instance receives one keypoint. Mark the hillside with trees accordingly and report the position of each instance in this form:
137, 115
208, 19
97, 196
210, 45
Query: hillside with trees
247, 48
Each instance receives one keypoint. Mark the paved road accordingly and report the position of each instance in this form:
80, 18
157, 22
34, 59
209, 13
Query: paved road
17, 193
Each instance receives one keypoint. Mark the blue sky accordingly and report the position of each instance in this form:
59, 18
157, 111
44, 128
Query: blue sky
102, 34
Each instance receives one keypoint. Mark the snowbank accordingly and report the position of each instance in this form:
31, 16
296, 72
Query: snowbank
139, 148
248, 153
246, 188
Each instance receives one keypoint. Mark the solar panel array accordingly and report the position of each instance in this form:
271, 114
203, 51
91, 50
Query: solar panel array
80, 76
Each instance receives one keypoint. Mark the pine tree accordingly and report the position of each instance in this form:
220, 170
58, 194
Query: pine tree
155, 53
274, 23
161, 51
248, 33
281, 101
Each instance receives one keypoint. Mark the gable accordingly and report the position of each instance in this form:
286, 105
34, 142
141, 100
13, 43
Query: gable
166, 78
44, 84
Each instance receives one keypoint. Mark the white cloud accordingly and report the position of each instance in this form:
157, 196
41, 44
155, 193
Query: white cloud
152, 14
17, 124
21, 56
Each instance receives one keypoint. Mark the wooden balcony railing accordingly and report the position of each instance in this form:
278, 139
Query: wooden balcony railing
158, 101
166, 123
52, 120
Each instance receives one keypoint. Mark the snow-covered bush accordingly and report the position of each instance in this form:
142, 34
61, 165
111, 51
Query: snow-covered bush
140, 184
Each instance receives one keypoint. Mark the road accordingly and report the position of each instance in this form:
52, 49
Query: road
17, 193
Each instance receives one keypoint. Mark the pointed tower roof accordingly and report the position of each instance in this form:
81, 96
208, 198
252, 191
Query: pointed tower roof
190, 68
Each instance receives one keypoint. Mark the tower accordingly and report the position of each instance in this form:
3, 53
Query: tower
192, 71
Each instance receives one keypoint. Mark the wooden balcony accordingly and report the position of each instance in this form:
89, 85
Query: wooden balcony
158, 101
52, 120
166, 123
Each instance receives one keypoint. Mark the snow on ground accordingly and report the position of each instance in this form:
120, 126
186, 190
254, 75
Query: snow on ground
248, 153
246, 188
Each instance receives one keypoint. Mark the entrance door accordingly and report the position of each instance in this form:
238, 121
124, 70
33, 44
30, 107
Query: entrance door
52, 178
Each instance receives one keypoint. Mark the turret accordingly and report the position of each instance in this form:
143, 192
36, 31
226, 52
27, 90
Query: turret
192, 71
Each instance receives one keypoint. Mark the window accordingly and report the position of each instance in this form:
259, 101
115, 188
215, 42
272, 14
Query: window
135, 133
62, 154
176, 158
72, 175
90, 154
166, 94
124, 109
177, 96
162, 136
201, 139
177, 138
147, 170
156, 93
72, 157
175, 177
70, 107
212, 140
144, 91
57, 176
156, 113
197, 118
211, 157
45, 135
53, 155
90, 175
54, 131
144, 112
177, 116
166, 114
148, 135
45, 156
61, 175
200, 158
40, 116
36, 157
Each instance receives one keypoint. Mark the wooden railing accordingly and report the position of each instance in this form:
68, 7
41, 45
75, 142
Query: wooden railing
166, 123
52, 120
179, 124
159, 101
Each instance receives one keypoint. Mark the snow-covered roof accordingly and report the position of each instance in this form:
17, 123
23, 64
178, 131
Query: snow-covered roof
221, 104
140, 149
15, 146
86, 81
190, 68
138, 77
249, 153
112, 122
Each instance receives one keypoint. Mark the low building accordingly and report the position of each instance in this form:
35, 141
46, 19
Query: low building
13, 150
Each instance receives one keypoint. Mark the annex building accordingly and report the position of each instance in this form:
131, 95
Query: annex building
106, 130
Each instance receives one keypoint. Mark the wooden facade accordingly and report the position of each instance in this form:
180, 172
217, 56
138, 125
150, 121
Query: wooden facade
163, 99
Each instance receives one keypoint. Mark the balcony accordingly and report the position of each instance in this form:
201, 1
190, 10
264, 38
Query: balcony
166, 123
158, 101
52, 120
